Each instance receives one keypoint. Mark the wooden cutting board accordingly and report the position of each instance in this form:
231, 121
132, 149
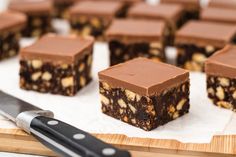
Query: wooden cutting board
15, 140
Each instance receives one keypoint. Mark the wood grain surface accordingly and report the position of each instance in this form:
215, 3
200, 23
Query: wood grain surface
15, 140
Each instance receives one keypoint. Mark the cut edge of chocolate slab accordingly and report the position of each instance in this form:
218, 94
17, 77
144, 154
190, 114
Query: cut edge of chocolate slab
147, 89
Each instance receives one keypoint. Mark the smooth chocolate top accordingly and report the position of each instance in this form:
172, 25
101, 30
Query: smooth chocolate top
188, 4
168, 12
55, 48
144, 76
96, 8
219, 15
222, 63
204, 33
136, 30
32, 6
11, 20
223, 3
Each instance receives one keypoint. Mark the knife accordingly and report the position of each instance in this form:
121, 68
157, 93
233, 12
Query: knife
60, 137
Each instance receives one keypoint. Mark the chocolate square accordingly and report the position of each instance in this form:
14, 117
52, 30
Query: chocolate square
197, 40
10, 26
130, 38
144, 93
93, 17
191, 7
39, 13
170, 13
221, 78
56, 64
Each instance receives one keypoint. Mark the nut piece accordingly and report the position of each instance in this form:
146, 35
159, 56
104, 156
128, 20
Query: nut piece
210, 49
104, 100
106, 86
67, 82
46, 76
81, 67
225, 104
224, 81
176, 115
89, 60
181, 104
155, 52
211, 91
132, 108
36, 76
37, 64
220, 93
64, 66
199, 58
122, 103
234, 95
130, 95
82, 81
95, 22
156, 45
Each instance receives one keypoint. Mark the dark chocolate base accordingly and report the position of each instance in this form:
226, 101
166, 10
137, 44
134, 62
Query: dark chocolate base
90, 26
222, 91
9, 44
120, 52
63, 79
145, 112
192, 57
191, 15
38, 25
61, 9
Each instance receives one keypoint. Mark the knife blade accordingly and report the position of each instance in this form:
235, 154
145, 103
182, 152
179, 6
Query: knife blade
60, 137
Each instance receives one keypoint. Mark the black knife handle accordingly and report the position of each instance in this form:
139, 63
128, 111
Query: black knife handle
69, 141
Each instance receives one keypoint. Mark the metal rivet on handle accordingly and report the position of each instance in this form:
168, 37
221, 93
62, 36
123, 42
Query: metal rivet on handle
108, 151
79, 136
52, 122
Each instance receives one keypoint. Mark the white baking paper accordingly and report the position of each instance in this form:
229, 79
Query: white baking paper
83, 111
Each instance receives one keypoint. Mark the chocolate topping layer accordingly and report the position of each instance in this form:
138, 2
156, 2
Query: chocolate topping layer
32, 6
223, 63
219, 15
63, 49
203, 33
12, 20
123, 1
144, 76
168, 12
188, 4
136, 30
97, 8
223, 3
